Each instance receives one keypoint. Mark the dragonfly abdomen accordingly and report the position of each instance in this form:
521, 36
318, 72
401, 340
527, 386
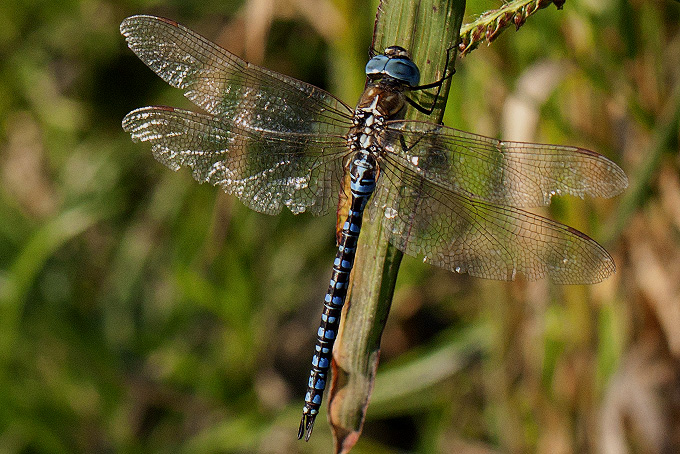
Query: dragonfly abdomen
363, 179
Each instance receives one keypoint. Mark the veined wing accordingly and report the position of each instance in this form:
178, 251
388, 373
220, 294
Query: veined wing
506, 173
264, 169
230, 88
464, 234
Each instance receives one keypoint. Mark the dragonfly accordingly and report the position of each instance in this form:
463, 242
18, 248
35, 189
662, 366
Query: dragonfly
455, 198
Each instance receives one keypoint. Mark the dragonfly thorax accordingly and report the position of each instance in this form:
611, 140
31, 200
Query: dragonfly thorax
378, 104
382, 99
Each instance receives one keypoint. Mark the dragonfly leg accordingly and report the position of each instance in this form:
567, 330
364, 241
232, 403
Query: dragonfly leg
447, 75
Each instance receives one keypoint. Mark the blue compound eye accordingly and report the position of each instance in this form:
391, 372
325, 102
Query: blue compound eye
376, 65
395, 65
403, 69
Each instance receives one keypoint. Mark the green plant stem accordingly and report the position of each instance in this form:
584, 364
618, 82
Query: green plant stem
428, 29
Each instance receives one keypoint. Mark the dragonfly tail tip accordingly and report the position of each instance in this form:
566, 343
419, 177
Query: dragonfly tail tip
306, 426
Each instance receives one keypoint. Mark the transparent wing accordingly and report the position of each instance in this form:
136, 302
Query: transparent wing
507, 173
266, 170
230, 88
462, 234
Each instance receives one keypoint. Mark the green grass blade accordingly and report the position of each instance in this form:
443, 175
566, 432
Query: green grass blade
427, 28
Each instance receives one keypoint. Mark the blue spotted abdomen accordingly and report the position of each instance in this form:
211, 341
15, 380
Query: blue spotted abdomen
363, 179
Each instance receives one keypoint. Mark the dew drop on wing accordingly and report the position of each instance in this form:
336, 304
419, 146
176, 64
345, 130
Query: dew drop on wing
390, 213
300, 183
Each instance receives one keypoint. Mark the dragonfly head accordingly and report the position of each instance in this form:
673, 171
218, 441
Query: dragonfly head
396, 63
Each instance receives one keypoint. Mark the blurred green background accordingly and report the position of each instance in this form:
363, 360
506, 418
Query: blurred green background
142, 312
